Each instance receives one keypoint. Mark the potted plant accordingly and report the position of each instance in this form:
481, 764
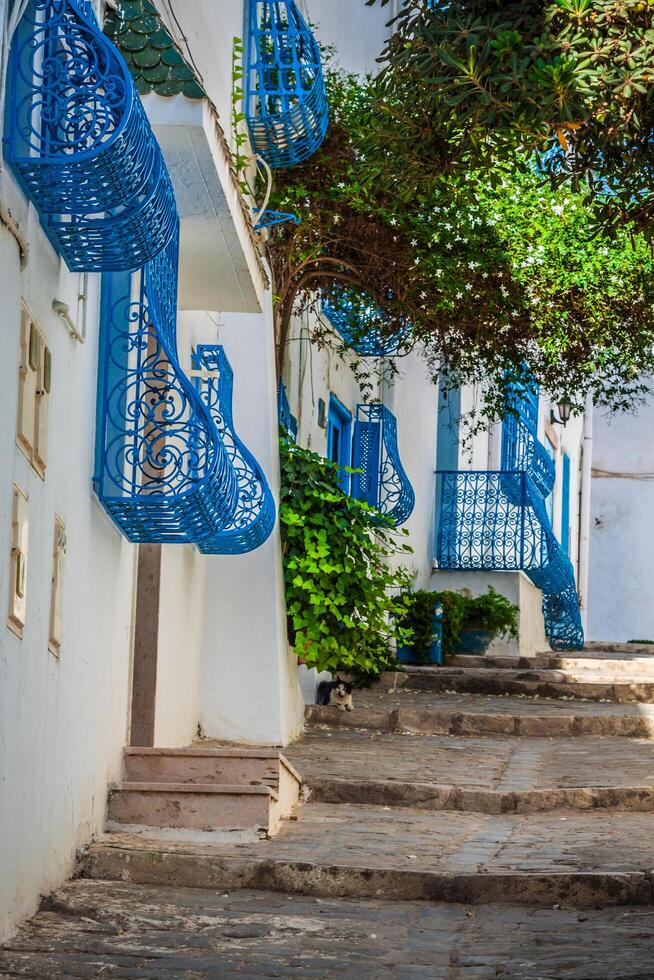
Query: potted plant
487, 616
424, 618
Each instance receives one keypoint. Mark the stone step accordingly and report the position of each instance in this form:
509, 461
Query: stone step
607, 666
191, 806
578, 860
553, 684
203, 765
433, 713
486, 775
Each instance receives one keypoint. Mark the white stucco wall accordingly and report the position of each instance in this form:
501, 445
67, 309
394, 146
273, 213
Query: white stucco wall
622, 527
62, 722
248, 688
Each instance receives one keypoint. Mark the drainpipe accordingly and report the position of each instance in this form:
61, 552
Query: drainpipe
584, 516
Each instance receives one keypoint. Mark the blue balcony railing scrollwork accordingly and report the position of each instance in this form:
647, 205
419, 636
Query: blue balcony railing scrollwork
80, 145
162, 471
382, 481
254, 516
285, 99
498, 521
362, 325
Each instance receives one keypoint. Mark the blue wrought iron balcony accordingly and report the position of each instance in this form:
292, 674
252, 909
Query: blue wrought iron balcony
382, 482
163, 472
286, 101
80, 145
362, 325
254, 517
498, 521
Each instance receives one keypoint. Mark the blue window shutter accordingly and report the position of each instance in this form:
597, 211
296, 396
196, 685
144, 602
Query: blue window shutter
366, 450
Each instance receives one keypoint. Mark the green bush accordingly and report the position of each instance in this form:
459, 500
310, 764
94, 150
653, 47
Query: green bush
344, 602
492, 612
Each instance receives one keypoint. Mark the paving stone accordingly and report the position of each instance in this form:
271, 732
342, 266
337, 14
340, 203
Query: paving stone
118, 930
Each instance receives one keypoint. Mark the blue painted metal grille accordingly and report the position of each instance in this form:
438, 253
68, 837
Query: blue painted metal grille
498, 521
362, 325
286, 100
254, 516
287, 420
382, 482
162, 471
271, 218
80, 145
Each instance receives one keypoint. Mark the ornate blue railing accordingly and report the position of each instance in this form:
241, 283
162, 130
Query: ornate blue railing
362, 325
163, 472
254, 516
382, 481
79, 142
285, 417
286, 101
498, 521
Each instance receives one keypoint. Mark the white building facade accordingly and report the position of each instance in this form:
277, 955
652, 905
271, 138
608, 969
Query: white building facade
128, 623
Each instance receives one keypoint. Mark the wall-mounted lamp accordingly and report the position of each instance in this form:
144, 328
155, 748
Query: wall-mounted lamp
565, 410
63, 310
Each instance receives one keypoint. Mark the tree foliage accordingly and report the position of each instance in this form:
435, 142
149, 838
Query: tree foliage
492, 271
567, 81
343, 599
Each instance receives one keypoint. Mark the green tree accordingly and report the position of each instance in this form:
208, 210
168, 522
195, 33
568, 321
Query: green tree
566, 81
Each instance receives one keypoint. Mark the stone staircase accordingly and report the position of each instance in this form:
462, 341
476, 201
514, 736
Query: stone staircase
435, 791
202, 790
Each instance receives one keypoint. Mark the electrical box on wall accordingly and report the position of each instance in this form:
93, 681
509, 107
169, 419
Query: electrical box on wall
18, 562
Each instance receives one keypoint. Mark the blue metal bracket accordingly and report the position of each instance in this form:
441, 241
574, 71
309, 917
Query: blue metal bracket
80, 145
285, 98
382, 482
498, 520
271, 218
254, 516
362, 325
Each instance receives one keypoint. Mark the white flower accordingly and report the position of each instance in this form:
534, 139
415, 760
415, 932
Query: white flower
414, 241
449, 245
393, 221
468, 287
473, 265
423, 295
439, 272
336, 219
459, 296
558, 209
416, 261
342, 183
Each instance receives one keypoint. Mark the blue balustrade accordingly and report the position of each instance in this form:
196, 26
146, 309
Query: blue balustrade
286, 101
382, 481
498, 521
285, 417
254, 516
163, 473
363, 326
80, 145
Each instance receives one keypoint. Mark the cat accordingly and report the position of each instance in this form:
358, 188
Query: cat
336, 693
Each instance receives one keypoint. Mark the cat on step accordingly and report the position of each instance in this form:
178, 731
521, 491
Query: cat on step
337, 693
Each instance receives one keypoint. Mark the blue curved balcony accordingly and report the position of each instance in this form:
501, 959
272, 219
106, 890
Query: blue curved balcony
80, 144
254, 517
382, 481
362, 325
163, 473
285, 98
498, 521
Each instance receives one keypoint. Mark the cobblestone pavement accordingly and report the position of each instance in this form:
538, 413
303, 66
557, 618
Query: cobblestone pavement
116, 930
505, 764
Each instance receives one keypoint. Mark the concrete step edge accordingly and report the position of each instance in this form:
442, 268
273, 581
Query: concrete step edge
201, 867
200, 752
435, 796
190, 789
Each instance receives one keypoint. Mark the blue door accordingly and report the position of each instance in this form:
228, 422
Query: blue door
339, 435
565, 506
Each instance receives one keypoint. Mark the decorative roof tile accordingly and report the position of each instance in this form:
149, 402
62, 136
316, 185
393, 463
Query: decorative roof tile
155, 63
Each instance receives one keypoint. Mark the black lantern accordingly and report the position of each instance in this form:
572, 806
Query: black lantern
564, 408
